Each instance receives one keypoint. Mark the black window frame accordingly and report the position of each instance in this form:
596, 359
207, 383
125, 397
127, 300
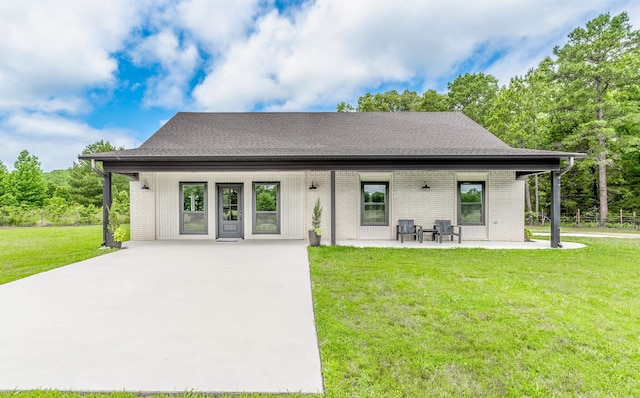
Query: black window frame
205, 208
483, 202
255, 212
387, 204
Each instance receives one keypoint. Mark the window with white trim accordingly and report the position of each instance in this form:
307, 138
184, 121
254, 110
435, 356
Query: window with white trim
266, 207
375, 203
193, 214
471, 203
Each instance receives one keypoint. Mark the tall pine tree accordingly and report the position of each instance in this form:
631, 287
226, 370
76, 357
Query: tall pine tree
597, 65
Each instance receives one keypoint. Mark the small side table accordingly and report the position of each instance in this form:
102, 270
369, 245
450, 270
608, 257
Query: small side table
433, 233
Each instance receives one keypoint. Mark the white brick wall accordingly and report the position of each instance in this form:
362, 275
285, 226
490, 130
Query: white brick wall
347, 205
505, 217
504, 207
322, 181
143, 208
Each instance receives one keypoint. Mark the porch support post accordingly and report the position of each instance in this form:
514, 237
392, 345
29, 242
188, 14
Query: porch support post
333, 207
106, 205
555, 209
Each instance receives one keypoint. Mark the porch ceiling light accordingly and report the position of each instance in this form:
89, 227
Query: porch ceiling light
426, 186
313, 186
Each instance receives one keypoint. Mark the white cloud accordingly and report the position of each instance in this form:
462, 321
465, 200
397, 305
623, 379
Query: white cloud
178, 62
54, 139
217, 23
330, 50
53, 49
58, 57
52, 53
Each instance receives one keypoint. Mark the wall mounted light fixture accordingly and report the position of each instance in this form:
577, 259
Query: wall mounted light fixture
145, 185
313, 186
426, 186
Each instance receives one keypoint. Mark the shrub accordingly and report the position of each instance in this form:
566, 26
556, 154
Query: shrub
87, 214
528, 235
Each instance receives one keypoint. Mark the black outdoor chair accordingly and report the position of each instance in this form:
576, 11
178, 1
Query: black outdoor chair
444, 228
407, 227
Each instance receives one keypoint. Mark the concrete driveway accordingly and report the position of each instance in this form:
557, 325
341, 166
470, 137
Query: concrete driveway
165, 317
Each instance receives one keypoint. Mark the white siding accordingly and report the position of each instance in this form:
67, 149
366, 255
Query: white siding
292, 199
505, 216
504, 203
155, 212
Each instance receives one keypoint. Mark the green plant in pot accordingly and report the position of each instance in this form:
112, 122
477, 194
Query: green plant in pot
116, 234
119, 235
315, 233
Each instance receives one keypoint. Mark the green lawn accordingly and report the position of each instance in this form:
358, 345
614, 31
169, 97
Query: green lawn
30, 250
470, 322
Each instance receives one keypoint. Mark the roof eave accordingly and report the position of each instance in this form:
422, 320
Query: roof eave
281, 158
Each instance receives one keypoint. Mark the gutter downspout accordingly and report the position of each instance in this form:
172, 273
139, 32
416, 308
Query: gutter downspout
555, 203
96, 169
566, 169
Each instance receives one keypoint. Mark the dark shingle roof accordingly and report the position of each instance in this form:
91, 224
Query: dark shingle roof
321, 135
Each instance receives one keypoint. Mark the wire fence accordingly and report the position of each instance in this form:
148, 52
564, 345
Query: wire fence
621, 219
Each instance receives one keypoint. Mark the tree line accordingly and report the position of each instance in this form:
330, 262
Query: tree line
71, 196
585, 97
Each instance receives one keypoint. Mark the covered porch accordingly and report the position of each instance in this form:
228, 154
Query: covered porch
428, 244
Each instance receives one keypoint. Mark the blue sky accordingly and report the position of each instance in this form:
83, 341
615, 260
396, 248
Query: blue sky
74, 71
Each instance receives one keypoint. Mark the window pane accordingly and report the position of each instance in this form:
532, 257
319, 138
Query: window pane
266, 211
267, 222
193, 216
471, 203
266, 197
471, 212
193, 197
374, 213
193, 222
374, 193
230, 213
374, 203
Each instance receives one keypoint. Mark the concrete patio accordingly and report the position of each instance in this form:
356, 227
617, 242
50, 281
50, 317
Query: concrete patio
165, 317
479, 244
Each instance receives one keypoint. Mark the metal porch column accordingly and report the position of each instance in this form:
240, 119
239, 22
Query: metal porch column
555, 209
333, 207
106, 205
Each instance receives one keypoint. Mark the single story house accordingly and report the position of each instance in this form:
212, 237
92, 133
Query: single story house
258, 176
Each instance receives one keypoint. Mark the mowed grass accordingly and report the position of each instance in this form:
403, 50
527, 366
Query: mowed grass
28, 251
473, 322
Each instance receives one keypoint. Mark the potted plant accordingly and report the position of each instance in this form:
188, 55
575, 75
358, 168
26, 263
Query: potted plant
116, 234
315, 233
119, 236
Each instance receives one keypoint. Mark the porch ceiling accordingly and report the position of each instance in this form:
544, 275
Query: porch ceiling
523, 165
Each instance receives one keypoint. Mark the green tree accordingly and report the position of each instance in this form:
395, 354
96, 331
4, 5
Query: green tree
85, 186
520, 116
432, 101
392, 101
473, 95
25, 182
121, 204
597, 70
3, 175
57, 206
